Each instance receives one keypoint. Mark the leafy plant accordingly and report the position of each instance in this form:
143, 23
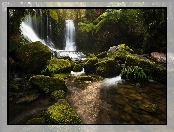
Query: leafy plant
134, 73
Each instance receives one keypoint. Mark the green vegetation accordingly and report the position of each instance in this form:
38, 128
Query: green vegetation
61, 113
32, 57
108, 68
61, 75
47, 84
56, 66
134, 73
57, 94
89, 65
78, 67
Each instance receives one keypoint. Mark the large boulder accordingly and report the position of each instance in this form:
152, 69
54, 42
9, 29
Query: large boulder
142, 62
90, 66
56, 66
108, 68
61, 113
47, 84
32, 57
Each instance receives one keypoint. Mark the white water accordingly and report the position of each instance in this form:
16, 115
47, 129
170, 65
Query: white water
111, 81
30, 34
70, 36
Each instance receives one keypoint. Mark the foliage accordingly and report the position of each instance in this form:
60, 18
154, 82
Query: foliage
62, 113
108, 68
47, 84
58, 94
89, 65
134, 73
146, 64
32, 57
56, 66
85, 78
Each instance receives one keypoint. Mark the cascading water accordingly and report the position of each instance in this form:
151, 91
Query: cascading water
35, 32
70, 36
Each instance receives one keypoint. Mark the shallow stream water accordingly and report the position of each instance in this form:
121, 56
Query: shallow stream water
111, 101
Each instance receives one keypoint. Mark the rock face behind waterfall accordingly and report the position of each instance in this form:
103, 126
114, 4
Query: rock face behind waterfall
33, 57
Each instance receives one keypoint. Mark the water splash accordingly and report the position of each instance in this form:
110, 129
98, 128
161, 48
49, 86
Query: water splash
107, 82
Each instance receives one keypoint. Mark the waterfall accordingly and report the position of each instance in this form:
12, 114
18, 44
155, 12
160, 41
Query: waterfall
70, 36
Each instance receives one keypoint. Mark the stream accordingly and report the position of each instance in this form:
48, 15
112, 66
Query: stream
111, 101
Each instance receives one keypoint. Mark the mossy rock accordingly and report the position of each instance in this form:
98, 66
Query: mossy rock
57, 94
108, 68
61, 113
85, 78
33, 57
56, 66
28, 97
159, 74
135, 60
121, 48
61, 75
36, 121
48, 84
78, 67
89, 65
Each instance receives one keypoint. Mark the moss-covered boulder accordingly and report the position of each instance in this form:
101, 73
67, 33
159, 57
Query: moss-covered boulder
146, 64
78, 67
33, 57
47, 84
108, 68
121, 48
61, 75
56, 66
57, 94
90, 66
61, 113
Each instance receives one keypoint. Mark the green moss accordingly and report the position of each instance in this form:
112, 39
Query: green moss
56, 66
85, 78
119, 50
146, 64
36, 121
78, 67
61, 113
33, 57
57, 94
89, 65
48, 84
63, 76
108, 68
